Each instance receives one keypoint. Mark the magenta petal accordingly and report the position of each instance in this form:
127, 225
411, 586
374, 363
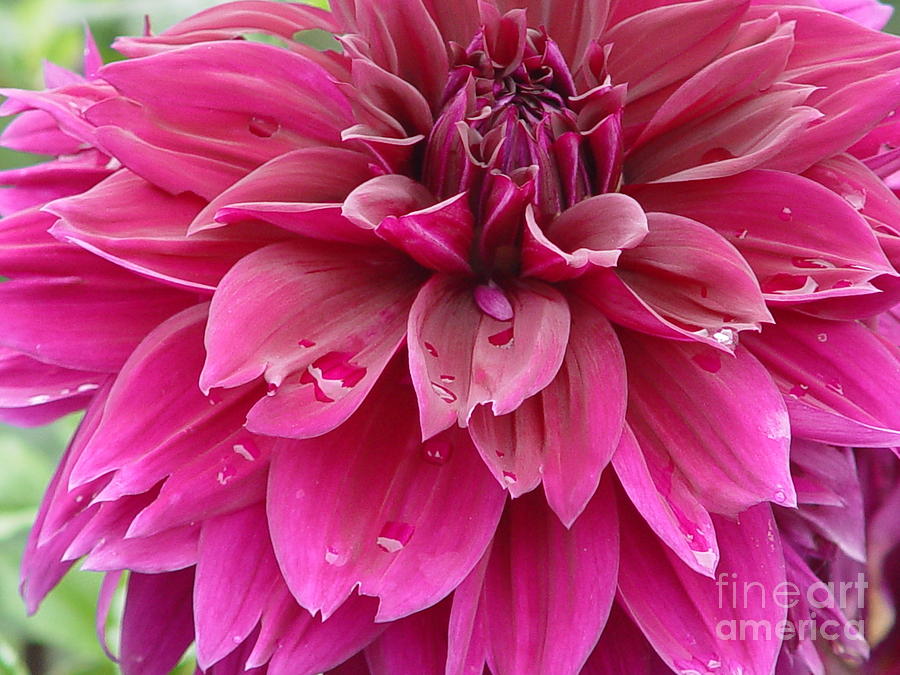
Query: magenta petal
623, 649
320, 321
564, 435
687, 618
460, 357
731, 460
827, 401
593, 232
31, 391
788, 228
138, 226
664, 499
168, 360
157, 605
234, 546
416, 644
548, 590
343, 513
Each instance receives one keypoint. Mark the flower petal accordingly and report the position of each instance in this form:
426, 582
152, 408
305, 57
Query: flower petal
565, 435
691, 620
460, 357
320, 321
548, 590
664, 498
828, 399
719, 420
593, 232
342, 513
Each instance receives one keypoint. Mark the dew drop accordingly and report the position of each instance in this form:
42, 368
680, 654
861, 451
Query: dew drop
271, 389
306, 344
727, 337
443, 393
856, 199
780, 496
502, 339
743, 234
264, 127
510, 478
436, 450
835, 386
822, 337
447, 378
226, 473
332, 557
88, 386
430, 349
246, 449
799, 390
812, 263
704, 292
786, 214
39, 399
394, 536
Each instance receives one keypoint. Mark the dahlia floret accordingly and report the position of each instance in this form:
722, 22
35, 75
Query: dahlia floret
492, 341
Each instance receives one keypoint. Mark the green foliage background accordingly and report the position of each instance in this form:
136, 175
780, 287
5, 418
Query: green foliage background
60, 639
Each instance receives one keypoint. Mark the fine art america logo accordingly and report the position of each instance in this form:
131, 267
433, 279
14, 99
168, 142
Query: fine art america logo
820, 610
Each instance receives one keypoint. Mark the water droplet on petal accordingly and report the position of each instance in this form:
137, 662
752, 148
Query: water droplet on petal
510, 478
394, 536
331, 375
835, 386
333, 557
822, 337
88, 386
502, 339
855, 198
743, 234
264, 127
246, 449
447, 378
443, 393
436, 450
39, 399
430, 349
799, 390
727, 337
780, 496
786, 214
306, 344
271, 389
812, 263
226, 473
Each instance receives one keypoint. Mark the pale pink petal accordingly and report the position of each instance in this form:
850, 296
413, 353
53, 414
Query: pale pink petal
460, 357
827, 400
120, 220
371, 504
319, 321
562, 436
592, 233
688, 406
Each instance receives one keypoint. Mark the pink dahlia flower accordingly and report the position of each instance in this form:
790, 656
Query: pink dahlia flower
513, 336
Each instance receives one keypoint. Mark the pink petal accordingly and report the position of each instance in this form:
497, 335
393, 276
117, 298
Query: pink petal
708, 26
787, 228
38, 392
343, 513
683, 281
548, 590
309, 175
688, 618
829, 399
416, 644
565, 435
120, 220
169, 360
70, 308
157, 605
36, 131
869, 13
460, 357
232, 548
34, 185
664, 498
731, 459
467, 643
320, 321
623, 649
593, 232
